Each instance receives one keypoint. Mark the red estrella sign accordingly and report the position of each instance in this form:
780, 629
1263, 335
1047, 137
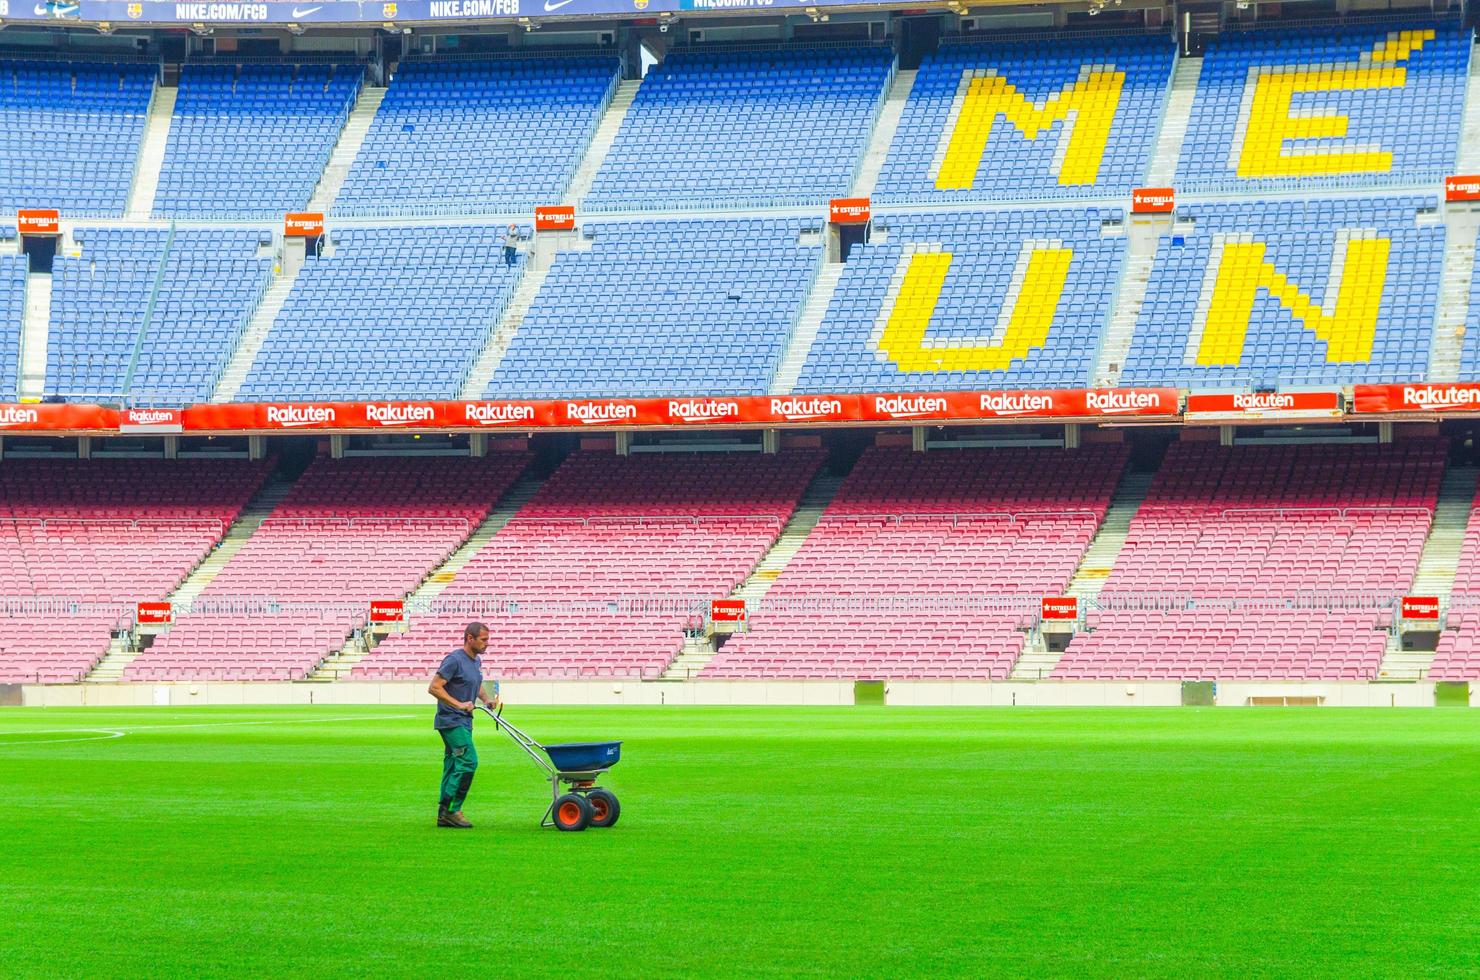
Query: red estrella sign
849, 210
727, 611
1377, 399
154, 614
1153, 200
1060, 608
38, 221
1420, 607
1462, 187
1265, 404
555, 217
303, 224
388, 611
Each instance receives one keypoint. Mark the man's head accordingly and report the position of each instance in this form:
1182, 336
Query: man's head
475, 639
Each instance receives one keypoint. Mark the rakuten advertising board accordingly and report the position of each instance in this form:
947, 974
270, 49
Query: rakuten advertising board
1394, 399
1265, 405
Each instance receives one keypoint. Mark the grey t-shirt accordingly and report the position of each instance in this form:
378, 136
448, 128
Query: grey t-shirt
464, 677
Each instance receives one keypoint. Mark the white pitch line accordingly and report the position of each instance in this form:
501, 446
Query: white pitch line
110, 733
94, 735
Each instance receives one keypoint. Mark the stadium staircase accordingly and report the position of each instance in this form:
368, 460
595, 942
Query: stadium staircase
1454, 297
351, 138
1469, 143
1174, 122
258, 509
602, 140
1436, 567
1116, 345
34, 333
805, 332
252, 338
697, 653
151, 153
884, 129
502, 335
1037, 661
109, 670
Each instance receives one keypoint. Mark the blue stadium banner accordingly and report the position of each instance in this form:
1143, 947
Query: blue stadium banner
363, 11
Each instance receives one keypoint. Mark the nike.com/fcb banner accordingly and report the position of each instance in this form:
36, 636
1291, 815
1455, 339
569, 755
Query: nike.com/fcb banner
368, 11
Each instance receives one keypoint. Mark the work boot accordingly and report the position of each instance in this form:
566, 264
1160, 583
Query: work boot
456, 819
442, 816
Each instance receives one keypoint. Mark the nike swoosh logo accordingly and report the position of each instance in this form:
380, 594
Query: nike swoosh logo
553, 5
305, 11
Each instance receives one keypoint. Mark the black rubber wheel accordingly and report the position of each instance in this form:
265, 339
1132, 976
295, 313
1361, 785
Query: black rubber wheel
604, 807
572, 812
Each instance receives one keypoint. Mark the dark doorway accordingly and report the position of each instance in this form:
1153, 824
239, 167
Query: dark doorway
918, 37
849, 236
41, 251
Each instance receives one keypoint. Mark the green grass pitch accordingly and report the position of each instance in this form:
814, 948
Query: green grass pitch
878, 842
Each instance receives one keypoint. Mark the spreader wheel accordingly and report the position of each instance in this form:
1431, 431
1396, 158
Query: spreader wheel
604, 808
572, 812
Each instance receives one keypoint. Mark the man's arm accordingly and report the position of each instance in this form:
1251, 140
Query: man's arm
438, 689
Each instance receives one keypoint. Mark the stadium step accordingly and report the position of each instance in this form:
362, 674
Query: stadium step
1454, 297
1117, 344
1469, 143
151, 153
885, 127
793, 535
1174, 122
351, 138
35, 331
1437, 565
502, 334
109, 670
258, 509
1036, 661
252, 338
693, 657
602, 140
338, 664
805, 333
444, 574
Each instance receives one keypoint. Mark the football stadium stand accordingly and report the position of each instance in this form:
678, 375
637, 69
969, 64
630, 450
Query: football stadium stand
350, 531
105, 533
150, 315
12, 310
1042, 120
392, 313
1276, 562
735, 129
1359, 106
1290, 293
663, 308
69, 134
478, 137
998, 299
1458, 654
871, 592
252, 140
598, 574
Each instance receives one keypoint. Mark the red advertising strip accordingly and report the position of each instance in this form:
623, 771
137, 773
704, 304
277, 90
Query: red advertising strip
154, 614
849, 210
1462, 187
1153, 200
727, 611
1060, 608
38, 221
57, 418
1420, 607
388, 611
1266, 404
1382, 399
555, 217
303, 224
145, 421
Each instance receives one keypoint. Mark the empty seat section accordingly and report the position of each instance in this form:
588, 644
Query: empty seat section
476, 137
392, 313
12, 316
599, 573
737, 128
149, 314
1458, 655
70, 134
913, 568
1046, 119
1327, 107
1263, 562
82, 541
252, 140
663, 308
1007, 299
1291, 293
350, 531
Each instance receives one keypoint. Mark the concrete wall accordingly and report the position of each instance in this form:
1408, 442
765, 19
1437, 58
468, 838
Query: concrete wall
934, 693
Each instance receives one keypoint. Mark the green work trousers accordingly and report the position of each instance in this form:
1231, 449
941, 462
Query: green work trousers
459, 763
